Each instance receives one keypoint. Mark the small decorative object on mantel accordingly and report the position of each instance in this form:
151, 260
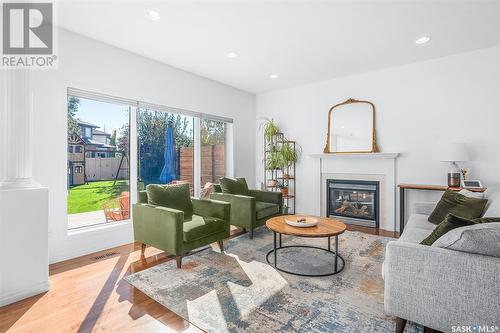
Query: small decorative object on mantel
465, 173
454, 152
351, 128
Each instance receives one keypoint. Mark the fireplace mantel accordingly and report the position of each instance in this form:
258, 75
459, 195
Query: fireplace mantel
356, 156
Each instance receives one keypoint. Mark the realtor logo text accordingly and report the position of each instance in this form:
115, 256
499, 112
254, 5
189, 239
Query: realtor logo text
28, 35
474, 329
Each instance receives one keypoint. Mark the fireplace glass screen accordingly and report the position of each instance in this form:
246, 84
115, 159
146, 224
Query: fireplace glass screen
357, 201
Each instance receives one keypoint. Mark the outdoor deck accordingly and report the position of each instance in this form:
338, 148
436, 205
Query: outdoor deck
80, 220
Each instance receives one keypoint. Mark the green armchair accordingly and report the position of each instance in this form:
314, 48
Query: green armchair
250, 209
167, 218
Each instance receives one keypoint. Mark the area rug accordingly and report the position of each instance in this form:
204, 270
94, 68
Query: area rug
238, 291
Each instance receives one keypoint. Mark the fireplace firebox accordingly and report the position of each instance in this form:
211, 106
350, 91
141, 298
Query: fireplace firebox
353, 201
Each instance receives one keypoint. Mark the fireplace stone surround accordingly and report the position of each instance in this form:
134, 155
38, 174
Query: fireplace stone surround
375, 167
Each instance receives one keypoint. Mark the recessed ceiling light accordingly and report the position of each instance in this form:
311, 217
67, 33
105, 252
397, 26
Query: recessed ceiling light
274, 76
153, 15
232, 55
423, 40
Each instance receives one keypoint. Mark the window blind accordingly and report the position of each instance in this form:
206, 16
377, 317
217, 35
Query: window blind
145, 105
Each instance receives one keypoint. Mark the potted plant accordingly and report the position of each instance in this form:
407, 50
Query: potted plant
274, 159
283, 186
270, 129
288, 155
272, 183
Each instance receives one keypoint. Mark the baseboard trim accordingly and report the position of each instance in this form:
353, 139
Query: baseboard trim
25, 293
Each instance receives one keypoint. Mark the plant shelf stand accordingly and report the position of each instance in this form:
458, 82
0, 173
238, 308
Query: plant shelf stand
284, 175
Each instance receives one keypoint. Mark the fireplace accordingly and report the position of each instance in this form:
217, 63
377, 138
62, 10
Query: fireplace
353, 201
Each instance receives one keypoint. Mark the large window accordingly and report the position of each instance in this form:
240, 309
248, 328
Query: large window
98, 173
165, 148
118, 146
213, 151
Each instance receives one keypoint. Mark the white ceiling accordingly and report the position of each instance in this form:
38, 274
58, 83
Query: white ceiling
302, 41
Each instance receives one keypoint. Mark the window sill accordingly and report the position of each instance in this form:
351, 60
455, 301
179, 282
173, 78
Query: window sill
99, 228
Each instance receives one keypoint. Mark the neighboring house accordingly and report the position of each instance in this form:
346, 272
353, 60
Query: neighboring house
92, 143
76, 160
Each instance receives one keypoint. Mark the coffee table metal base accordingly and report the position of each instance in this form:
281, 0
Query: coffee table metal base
337, 267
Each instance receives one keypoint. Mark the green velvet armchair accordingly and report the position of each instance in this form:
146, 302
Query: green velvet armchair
252, 209
166, 217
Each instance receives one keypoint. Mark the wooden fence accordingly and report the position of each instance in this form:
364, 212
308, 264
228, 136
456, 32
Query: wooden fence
213, 164
97, 168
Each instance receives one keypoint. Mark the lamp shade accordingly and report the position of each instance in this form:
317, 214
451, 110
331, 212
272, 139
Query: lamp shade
454, 152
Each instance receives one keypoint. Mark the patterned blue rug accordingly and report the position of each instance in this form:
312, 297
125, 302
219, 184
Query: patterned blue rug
239, 292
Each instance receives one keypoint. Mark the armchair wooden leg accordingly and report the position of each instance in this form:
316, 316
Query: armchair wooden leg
251, 233
143, 248
221, 245
400, 325
179, 261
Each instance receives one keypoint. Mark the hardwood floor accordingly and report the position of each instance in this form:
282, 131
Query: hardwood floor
88, 295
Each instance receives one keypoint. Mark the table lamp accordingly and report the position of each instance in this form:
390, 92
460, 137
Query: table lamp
454, 152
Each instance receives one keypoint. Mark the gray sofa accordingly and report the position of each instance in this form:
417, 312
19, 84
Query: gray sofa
437, 287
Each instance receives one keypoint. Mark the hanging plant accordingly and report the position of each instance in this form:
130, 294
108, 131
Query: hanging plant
288, 155
273, 159
271, 128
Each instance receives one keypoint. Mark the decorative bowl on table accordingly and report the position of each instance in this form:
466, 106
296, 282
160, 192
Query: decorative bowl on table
301, 221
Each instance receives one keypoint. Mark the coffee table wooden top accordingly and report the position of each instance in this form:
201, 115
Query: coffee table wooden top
325, 228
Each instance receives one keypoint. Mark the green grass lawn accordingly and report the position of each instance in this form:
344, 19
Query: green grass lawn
90, 197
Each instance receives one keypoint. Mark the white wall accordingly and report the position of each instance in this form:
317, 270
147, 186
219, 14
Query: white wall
94, 66
455, 99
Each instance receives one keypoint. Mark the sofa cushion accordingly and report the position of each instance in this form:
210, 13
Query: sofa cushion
234, 186
414, 235
265, 209
486, 219
200, 227
457, 204
483, 238
420, 221
470, 194
493, 207
176, 196
450, 222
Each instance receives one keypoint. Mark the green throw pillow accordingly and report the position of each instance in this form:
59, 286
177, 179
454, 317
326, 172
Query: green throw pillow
234, 186
459, 205
486, 219
176, 196
450, 222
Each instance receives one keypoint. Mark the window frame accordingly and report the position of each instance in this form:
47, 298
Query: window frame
133, 144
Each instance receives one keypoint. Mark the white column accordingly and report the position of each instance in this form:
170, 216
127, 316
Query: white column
16, 129
23, 202
229, 151
197, 157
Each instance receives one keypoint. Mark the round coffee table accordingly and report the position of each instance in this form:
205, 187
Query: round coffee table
327, 227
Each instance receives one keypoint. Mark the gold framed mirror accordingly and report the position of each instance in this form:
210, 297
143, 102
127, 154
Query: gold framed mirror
351, 128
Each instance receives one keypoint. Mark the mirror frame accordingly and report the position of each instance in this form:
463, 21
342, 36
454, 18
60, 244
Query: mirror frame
374, 149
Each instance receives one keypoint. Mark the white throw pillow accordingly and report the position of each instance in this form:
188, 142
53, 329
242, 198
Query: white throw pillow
470, 194
482, 238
